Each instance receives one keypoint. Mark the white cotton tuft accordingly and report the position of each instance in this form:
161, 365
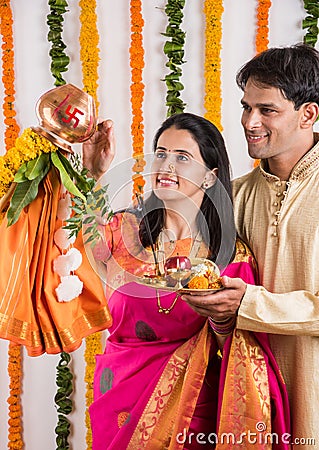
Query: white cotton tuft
61, 238
70, 287
64, 208
64, 264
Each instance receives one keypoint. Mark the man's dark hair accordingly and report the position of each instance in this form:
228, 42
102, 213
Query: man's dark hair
294, 70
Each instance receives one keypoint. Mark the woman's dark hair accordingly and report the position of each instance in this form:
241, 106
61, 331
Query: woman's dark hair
294, 70
215, 220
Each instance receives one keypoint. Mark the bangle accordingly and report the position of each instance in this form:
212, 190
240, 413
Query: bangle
224, 327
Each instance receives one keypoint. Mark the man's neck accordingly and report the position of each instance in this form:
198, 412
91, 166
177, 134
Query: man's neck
282, 165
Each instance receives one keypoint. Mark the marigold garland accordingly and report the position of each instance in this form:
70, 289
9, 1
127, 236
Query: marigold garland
6, 21
262, 30
15, 439
137, 93
93, 346
14, 399
89, 56
213, 10
89, 47
26, 147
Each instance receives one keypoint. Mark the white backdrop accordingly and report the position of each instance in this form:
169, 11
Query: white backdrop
33, 78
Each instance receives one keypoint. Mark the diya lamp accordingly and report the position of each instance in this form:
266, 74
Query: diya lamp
66, 116
179, 268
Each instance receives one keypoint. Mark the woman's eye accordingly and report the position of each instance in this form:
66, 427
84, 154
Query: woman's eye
181, 157
160, 155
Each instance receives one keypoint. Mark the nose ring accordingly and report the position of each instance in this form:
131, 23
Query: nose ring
171, 167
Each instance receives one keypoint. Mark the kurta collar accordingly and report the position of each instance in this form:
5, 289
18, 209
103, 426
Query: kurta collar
304, 167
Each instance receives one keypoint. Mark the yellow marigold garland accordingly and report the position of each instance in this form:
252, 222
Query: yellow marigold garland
6, 21
14, 399
89, 55
89, 47
93, 346
213, 10
137, 93
27, 147
262, 31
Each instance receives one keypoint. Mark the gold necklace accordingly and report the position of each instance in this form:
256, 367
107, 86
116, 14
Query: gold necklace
161, 309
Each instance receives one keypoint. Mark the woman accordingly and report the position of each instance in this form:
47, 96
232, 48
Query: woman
156, 385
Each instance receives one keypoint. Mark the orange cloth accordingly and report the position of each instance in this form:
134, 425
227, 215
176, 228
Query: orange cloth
30, 313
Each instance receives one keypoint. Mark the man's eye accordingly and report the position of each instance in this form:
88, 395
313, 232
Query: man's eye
267, 111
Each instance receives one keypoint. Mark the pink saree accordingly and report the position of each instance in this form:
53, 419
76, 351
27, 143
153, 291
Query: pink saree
160, 383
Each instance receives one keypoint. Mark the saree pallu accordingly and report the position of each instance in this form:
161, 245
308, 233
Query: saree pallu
30, 313
253, 410
158, 386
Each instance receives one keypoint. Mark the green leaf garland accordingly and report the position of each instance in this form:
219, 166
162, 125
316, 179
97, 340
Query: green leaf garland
59, 60
311, 22
175, 54
64, 404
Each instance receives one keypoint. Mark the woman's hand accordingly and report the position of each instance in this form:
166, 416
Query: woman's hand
99, 150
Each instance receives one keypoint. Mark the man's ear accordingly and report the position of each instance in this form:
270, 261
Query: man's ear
310, 112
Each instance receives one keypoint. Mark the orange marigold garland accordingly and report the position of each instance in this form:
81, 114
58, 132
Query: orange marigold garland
89, 56
137, 94
14, 401
6, 21
11, 133
262, 31
213, 10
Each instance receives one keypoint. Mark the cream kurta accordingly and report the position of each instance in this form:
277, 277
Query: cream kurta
280, 222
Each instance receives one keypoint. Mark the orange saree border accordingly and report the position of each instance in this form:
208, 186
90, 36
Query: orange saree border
51, 341
171, 406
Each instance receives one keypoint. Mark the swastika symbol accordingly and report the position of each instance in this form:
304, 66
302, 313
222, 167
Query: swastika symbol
72, 115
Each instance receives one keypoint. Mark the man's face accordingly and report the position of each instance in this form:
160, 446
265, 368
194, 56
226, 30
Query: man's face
271, 124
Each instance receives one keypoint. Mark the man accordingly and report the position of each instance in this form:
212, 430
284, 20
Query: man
277, 214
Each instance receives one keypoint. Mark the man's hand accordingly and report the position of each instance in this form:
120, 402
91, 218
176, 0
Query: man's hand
222, 304
99, 150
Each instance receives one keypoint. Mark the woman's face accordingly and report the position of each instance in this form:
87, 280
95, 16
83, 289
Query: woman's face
178, 169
